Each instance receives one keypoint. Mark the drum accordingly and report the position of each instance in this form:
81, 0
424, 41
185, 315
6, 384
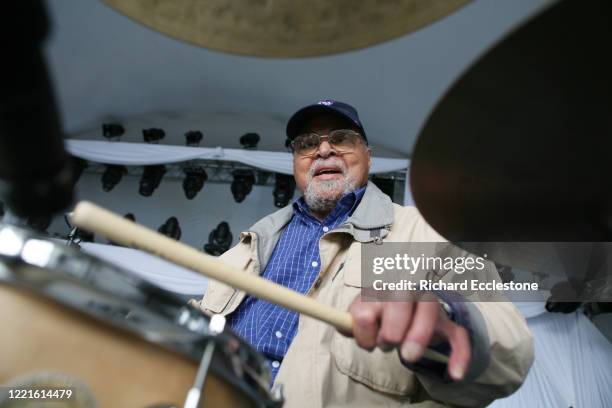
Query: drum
76, 320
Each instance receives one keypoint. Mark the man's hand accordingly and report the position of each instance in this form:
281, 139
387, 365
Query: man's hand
411, 327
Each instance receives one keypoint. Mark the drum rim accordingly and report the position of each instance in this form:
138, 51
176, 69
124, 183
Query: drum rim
195, 336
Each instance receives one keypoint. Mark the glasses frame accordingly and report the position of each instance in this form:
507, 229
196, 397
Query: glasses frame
327, 137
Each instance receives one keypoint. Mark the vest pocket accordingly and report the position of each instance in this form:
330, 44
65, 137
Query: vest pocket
217, 297
376, 369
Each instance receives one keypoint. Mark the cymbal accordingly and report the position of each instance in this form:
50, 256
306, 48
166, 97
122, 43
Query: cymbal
286, 29
520, 147
519, 150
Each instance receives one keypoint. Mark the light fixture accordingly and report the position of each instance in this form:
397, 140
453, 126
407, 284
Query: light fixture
78, 166
151, 177
112, 131
249, 140
242, 184
386, 185
219, 240
193, 138
171, 228
39, 223
194, 181
284, 187
112, 176
153, 135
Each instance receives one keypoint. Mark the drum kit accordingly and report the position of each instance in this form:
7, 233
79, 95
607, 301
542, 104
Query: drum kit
518, 146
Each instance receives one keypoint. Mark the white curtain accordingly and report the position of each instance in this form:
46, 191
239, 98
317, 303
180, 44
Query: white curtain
573, 363
140, 154
150, 268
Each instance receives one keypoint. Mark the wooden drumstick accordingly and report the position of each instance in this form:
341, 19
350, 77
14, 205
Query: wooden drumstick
101, 221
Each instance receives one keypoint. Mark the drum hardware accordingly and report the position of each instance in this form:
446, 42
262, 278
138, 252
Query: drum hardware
106, 298
194, 396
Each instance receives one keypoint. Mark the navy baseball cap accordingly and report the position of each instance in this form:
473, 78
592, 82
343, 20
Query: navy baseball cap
344, 110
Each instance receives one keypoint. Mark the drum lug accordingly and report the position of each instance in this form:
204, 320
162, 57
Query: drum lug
277, 396
194, 395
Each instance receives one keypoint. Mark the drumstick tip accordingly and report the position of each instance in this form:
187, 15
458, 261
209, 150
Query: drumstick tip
82, 211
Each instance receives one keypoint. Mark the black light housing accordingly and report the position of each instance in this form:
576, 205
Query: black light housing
171, 228
112, 176
284, 187
153, 135
249, 140
242, 184
112, 131
39, 223
194, 181
193, 138
151, 177
219, 240
78, 166
386, 185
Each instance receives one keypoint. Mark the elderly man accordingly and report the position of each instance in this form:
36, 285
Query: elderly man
313, 247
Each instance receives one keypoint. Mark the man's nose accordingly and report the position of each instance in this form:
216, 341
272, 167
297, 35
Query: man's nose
326, 149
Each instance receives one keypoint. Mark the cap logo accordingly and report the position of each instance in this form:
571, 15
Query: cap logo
326, 102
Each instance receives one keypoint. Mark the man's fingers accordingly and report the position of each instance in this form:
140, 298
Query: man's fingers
421, 329
366, 321
396, 317
461, 349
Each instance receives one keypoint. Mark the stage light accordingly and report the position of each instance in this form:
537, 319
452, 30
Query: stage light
112, 176
39, 223
84, 236
151, 177
78, 166
193, 138
386, 185
153, 135
242, 184
219, 240
562, 296
249, 140
194, 181
112, 131
284, 187
171, 228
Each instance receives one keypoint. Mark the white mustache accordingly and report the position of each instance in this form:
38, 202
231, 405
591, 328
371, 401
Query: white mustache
317, 164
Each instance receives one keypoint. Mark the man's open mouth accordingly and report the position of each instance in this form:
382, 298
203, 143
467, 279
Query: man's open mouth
327, 172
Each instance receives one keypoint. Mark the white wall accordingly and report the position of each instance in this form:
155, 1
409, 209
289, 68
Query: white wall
196, 217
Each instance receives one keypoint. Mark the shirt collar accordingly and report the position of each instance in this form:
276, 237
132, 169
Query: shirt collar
345, 207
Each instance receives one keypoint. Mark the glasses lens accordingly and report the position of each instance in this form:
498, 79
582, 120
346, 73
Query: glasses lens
306, 143
343, 138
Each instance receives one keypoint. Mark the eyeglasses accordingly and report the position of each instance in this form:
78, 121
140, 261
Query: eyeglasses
342, 140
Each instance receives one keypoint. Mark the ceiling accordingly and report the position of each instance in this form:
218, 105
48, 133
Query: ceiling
106, 66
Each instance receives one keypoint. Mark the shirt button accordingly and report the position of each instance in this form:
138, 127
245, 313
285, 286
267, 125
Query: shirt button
315, 264
278, 334
275, 364
325, 229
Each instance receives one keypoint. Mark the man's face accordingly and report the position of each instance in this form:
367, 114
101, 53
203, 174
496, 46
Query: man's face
327, 173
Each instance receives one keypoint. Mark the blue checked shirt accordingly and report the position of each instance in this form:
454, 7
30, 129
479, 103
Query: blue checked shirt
295, 264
